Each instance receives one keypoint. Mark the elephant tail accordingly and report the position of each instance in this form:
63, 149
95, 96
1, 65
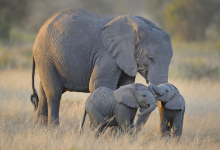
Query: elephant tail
34, 96
84, 117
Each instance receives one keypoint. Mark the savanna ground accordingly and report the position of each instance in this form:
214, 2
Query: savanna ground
194, 70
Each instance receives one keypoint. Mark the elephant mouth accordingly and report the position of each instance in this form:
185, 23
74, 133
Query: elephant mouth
159, 97
142, 69
147, 105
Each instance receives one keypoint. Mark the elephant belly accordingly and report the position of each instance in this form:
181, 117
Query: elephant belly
78, 78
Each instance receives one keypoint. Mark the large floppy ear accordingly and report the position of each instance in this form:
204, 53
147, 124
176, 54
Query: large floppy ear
176, 103
126, 95
120, 37
151, 24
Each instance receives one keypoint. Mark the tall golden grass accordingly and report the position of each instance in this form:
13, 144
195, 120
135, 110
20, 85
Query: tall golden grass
201, 129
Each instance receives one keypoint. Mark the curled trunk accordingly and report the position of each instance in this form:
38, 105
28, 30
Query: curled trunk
154, 89
148, 110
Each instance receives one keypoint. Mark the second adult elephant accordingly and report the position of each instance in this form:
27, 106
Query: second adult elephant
76, 50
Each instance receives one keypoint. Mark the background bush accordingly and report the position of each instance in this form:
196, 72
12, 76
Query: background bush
189, 19
12, 13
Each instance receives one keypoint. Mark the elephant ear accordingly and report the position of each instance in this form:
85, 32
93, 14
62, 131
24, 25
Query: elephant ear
176, 103
151, 24
126, 95
120, 37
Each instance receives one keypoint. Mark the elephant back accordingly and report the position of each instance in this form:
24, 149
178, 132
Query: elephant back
101, 93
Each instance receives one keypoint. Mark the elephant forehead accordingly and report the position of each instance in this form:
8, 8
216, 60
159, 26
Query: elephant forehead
171, 86
163, 86
141, 87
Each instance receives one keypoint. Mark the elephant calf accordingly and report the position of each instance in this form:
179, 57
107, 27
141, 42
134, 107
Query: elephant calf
171, 106
107, 108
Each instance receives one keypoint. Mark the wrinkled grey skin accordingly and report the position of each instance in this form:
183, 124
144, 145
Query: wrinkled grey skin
107, 108
76, 50
171, 106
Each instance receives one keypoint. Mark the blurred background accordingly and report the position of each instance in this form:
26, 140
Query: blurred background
192, 24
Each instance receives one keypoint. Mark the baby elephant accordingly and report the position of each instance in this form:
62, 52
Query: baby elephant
107, 108
171, 108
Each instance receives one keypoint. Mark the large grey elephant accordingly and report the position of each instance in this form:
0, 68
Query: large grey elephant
171, 106
76, 50
107, 108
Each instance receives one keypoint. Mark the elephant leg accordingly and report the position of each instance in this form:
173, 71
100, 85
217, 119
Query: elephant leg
177, 127
91, 125
53, 109
99, 123
125, 124
169, 124
53, 88
101, 126
178, 124
164, 128
124, 116
42, 111
96, 118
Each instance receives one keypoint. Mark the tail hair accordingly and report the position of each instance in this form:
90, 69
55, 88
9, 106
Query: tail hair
34, 96
35, 100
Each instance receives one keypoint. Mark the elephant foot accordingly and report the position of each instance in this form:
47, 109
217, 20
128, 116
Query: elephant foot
53, 123
43, 121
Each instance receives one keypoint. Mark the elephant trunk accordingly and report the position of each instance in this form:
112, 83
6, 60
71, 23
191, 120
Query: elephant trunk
154, 89
158, 74
148, 110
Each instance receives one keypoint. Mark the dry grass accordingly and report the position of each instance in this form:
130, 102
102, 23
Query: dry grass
201, 123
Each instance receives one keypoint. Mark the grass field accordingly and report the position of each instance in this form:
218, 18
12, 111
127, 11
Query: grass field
201, 129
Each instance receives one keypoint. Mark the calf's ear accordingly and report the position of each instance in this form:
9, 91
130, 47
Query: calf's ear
125, 95
176, 103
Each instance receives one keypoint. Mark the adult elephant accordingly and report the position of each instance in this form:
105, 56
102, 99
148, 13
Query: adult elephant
76, 50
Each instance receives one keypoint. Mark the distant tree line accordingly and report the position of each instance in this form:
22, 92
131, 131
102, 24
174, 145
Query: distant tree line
183, 19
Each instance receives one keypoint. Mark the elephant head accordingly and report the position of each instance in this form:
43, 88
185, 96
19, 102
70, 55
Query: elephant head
136, 95
168, 94
137, 45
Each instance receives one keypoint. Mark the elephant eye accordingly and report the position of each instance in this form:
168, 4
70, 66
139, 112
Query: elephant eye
144, 95
167, 91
